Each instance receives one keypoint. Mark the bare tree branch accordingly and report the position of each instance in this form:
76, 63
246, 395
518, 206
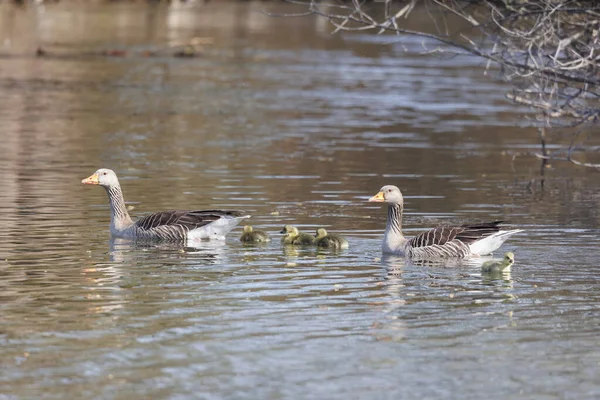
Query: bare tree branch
548, 50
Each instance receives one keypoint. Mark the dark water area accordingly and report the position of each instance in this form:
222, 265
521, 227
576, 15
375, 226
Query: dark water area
299, 127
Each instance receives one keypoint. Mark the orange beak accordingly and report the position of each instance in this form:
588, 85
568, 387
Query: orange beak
378, 198
91, 180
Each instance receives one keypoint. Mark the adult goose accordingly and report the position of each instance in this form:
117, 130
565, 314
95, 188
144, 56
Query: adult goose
444, 241
173, 226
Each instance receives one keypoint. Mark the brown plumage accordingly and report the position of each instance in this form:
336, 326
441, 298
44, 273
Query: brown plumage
467, 234
187, 220
165, 225
441, 242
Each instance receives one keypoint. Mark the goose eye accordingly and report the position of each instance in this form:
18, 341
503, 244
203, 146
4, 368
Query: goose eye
104, 173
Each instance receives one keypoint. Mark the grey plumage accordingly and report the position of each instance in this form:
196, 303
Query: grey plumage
162, 226
441, 242
449, 241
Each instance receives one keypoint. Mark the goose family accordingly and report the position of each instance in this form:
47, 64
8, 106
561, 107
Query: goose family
444, 241
499, 265
251, 235
162, 226
324, 239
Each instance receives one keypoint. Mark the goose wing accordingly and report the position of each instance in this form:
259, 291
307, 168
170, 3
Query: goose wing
187, 220
450, 241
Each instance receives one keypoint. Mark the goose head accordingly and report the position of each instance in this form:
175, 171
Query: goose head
388, 194
509, 258
104, 177
247, 228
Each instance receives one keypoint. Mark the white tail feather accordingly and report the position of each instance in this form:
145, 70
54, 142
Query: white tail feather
492, 242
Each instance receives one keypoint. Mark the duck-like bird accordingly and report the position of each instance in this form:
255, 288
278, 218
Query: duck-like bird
251, 235
171, 226
444, 241
293, 236
499, 265
324, 239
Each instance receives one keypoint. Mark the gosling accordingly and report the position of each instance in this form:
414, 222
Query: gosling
499, 265
323, 239
293, 236
252, 236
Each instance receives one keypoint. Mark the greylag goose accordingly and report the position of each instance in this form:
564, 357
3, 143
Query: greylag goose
499, 265
324, 239
162, 226
444, 241
293, 236
254, 236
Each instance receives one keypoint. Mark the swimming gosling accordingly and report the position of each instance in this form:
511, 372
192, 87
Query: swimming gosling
323, 239
293, 236
252, 236
499, 265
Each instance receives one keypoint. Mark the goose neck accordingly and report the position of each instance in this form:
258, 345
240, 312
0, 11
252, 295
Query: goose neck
119, 217
394, 220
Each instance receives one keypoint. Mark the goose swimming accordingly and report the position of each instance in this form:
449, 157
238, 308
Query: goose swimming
499, 265
293, 236
324, 239
444, 241
251, 235
162, 226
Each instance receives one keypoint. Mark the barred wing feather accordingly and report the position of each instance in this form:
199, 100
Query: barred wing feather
449, 241
187, 220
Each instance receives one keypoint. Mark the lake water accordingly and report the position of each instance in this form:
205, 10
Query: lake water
283, 120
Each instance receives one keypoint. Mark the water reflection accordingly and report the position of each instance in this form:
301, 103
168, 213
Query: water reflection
123, 250
297, 127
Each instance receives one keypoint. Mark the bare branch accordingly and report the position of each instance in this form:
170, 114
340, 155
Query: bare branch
548, 50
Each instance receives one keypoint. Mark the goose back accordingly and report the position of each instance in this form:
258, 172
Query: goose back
180, 225
449, 241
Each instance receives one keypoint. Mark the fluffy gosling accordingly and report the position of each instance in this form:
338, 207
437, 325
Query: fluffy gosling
293, 236
254, 236
323, 239
499, 265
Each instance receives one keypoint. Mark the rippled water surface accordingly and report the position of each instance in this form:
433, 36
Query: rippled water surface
283, 120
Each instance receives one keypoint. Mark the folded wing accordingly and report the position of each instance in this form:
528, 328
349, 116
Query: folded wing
450, 241
177, 223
